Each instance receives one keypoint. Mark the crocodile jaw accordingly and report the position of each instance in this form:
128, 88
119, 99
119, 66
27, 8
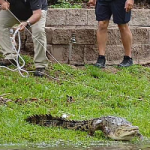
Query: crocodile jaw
124, 133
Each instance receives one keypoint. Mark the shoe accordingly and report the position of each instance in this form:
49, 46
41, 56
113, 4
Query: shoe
100, 62
7, 62
39, 72
127, 61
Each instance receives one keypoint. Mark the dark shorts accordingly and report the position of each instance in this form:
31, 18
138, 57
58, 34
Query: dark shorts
105, 9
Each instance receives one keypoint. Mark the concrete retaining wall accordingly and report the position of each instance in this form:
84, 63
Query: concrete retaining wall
86, 17
62, 23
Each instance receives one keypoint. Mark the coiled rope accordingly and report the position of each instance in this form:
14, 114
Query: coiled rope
18, 58
39, 42
19, 68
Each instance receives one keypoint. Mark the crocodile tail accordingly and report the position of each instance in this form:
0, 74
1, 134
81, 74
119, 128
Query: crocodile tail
39, 119
45, 120
48, 120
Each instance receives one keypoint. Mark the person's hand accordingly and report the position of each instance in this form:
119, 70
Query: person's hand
22, 25
129, 5
91, 3
5, 5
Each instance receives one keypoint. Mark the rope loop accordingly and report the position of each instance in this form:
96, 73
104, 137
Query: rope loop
16, 48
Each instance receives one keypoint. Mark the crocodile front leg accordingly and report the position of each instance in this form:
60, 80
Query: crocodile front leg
91, 131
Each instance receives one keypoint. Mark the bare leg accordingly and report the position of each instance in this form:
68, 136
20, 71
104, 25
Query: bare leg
102, 40
102, 36
126, 37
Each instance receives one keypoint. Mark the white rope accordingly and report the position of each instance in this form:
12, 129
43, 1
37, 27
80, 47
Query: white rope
40, 43
19, 68
17, 51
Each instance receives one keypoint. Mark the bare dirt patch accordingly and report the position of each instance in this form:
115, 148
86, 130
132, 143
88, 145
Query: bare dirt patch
111, 69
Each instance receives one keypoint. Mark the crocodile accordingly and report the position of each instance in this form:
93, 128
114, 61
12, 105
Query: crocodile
116, 128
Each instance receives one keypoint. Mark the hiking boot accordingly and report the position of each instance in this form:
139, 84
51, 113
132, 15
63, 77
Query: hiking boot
7, 62
127, 61
39, 72
100, 62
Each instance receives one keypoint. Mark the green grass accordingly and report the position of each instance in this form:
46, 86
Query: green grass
111, 91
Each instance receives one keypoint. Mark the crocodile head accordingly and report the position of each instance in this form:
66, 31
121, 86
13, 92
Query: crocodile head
124, 133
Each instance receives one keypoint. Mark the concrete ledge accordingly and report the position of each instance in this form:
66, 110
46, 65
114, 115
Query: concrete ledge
86, 17
87, 54
86, 35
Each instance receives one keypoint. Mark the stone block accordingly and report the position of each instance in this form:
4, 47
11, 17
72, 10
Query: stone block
91, 18
64, 35
58, 53
141, 35
76, 17
140, 17
49, 34
77, 55
56, 17
90, 54
141, 53
114, 54
29, 48
114, 37
61, 36
85, 36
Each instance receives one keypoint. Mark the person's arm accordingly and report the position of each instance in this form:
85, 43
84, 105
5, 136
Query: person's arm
129, 5
91, 3
4, 5
32, 20
2, 1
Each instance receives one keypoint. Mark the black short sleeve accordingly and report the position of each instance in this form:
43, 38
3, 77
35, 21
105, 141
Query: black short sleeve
23, 9
35, 4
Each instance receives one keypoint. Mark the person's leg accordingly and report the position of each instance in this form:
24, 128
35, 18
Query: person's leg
40, 44
126, 37
102, 40
121, 17
103, 14
6, 22
102, 36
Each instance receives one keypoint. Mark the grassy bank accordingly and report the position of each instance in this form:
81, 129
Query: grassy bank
111, 91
